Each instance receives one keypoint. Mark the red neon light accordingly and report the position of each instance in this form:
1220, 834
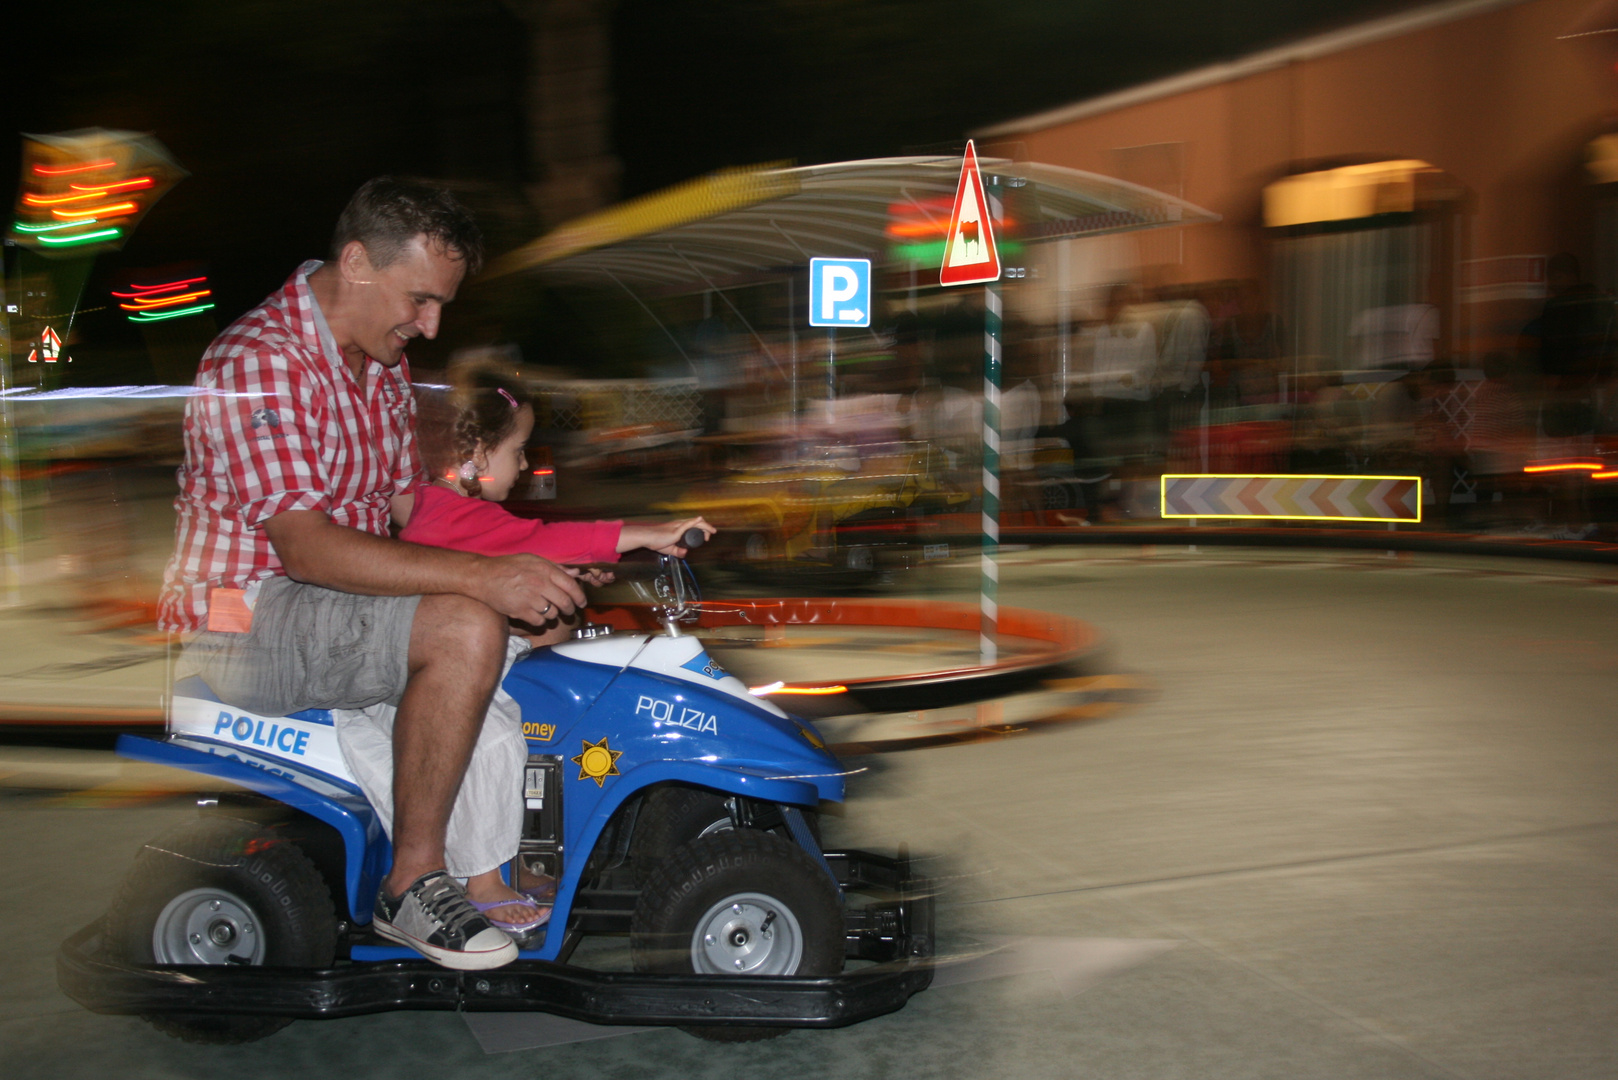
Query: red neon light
157, 290
68, 170
912, 229
97, 211
543, 472
170, 285
158, 302
1568, 466
1607, 475
810, 691
102, 189
53, 200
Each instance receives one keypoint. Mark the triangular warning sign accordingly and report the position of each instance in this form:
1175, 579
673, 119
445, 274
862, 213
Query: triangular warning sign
969, 252
50, 347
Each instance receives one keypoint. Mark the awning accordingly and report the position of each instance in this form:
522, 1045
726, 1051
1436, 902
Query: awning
741, 224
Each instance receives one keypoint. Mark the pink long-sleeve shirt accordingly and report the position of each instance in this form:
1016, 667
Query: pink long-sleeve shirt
441, 518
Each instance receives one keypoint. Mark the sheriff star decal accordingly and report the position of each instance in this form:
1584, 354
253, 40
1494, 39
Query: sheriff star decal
598, 761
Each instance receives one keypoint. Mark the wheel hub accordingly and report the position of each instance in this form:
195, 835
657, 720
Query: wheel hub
747, 934
207, 926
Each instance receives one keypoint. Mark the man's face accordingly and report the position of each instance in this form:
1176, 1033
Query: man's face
403, 300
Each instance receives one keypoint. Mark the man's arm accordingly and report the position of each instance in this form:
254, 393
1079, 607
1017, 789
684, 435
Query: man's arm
316, 551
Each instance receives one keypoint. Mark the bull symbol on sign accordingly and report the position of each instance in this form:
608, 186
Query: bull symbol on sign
969, 243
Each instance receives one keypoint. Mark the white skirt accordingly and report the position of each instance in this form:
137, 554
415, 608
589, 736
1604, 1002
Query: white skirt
485, 825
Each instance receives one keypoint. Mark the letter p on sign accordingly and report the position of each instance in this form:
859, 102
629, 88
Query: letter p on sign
839, 292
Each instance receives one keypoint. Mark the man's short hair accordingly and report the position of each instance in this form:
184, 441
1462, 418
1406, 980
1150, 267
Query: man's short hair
386, 213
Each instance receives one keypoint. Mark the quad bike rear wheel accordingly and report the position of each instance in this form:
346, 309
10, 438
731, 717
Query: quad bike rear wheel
222, 891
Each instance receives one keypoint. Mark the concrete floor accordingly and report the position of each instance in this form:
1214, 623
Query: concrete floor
1372, 801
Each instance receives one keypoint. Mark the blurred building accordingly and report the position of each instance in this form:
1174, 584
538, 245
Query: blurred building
1396, 186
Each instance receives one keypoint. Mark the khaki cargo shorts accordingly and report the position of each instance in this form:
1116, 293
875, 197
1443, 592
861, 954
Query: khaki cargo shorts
308, 648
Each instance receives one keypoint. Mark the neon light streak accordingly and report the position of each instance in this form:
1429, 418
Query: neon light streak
157, 302
1607, 475
82, 238
543, 472
1570, 466
159, 316
20, 227
169, 285
107, 211
54, 200
102, 189
806, 691
69, 170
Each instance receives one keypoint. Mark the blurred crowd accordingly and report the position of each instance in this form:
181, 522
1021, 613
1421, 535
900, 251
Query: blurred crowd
790, 441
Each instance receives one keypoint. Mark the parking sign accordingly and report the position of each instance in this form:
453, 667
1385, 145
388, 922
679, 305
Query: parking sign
839, 292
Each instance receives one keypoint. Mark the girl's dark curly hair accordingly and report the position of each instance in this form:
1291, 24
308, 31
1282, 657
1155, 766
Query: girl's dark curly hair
480, 410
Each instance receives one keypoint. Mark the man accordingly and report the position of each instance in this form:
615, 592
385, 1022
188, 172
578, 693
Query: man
290, 595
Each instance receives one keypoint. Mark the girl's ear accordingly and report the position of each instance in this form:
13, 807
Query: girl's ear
480, 457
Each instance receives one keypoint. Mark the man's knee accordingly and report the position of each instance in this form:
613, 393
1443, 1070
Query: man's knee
459, 630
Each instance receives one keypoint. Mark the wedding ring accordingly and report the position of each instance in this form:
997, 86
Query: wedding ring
546, 610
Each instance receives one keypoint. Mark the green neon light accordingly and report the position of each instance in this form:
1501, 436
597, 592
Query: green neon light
85, 238
932, 251
147, 316
20, 227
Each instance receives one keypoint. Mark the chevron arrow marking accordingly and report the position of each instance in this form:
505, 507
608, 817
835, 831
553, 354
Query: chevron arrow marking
1293, 497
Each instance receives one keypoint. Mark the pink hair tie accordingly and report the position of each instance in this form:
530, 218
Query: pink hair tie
505, 394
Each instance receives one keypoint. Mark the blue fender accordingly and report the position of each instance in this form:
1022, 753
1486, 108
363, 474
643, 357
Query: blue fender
338, 803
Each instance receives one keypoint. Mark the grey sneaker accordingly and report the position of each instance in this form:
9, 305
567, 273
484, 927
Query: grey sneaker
435, 918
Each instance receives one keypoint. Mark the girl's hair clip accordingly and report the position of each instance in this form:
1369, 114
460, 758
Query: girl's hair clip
503, 392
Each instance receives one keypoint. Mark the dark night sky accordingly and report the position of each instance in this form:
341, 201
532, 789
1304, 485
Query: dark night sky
279, 108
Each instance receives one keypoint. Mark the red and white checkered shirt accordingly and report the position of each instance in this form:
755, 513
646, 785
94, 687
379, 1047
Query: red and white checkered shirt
279, 424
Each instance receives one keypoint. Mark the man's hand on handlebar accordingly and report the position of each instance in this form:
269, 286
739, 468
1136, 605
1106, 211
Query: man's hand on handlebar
529, 588
668, 538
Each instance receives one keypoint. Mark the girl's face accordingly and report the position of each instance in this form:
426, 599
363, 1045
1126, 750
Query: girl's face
500, 466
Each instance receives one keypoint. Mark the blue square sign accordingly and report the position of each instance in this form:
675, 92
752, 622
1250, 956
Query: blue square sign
839, 292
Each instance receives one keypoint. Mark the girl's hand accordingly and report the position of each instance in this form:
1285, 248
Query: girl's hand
664, 539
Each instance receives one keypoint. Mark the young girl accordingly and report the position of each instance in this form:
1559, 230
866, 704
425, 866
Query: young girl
475, 461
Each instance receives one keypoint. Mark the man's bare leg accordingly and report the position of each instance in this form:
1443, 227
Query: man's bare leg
457, 651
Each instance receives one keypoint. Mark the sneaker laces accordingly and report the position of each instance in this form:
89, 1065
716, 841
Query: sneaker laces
442, 899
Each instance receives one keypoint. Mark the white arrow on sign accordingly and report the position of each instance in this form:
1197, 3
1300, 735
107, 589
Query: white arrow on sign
851, 315
1076, 964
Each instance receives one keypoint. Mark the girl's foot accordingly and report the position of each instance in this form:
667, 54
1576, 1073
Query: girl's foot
504, 906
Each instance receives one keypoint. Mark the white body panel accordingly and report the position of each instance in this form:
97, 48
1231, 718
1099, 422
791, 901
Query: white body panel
308, 743
680, 658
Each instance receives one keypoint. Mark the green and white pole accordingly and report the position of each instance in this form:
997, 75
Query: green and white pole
10, 527
989, 588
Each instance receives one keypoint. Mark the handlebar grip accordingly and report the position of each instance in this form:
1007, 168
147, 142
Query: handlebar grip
693, 538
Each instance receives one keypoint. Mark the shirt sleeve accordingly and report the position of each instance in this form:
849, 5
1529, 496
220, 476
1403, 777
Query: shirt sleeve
443, 519
266, 422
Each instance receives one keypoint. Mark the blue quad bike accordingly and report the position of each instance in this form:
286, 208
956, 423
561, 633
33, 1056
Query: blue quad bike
670, 804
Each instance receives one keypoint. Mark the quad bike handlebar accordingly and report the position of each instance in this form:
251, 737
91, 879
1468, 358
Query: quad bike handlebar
666, 583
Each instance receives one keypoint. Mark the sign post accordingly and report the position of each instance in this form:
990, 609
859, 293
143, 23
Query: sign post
971, 257
839, 295
10, 527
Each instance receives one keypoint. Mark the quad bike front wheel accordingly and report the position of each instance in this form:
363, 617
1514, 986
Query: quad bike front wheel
222, 891
738, 903
673, 814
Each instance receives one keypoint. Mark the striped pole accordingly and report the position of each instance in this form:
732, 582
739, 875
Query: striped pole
989, 588
10, 530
